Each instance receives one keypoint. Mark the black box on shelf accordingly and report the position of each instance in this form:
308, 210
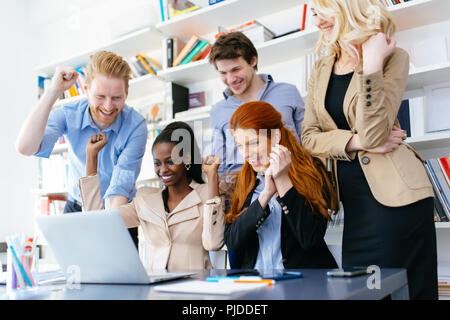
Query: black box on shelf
180, 98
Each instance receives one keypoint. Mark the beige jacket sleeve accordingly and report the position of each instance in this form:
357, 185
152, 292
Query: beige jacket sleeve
90, 193
320, 143
379, 97
91, 198
213, 226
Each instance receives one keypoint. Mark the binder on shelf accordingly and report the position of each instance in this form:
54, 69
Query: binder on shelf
403, 117
180, 98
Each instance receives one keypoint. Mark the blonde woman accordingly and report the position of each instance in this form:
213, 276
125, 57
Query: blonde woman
354, 94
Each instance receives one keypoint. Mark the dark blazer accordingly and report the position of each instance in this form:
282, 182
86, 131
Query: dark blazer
302, 234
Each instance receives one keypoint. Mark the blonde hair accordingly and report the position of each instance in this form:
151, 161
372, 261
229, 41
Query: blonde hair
355, 22
108, 64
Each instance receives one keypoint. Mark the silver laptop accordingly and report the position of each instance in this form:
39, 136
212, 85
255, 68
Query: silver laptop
97, 247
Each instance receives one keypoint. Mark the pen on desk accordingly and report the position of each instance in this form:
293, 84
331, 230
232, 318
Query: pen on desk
232, 278
220, 278
17, 266
268, 281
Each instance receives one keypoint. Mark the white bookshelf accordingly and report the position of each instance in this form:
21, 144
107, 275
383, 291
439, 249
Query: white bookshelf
227, 13
416, 13
426, 76
144, 40
430, 141
413, 14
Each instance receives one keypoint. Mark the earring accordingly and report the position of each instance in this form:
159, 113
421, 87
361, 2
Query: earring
187, 166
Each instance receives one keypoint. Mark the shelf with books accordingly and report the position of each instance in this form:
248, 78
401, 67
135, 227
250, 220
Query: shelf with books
226, 13
144, 40
292, 46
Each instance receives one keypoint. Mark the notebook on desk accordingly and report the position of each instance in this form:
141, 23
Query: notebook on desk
96, 247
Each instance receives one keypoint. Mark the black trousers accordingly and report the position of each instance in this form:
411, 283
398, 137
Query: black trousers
71, 206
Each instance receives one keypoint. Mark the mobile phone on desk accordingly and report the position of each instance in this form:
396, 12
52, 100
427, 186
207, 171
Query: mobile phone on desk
347, 272
282, 275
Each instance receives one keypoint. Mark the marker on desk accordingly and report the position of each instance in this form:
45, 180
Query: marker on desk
268, 281
220, 278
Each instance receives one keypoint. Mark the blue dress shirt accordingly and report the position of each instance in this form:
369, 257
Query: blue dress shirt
283, 96
269, 233
119, 162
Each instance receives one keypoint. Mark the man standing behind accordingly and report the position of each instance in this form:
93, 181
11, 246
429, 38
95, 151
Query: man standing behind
235, 58
103, 110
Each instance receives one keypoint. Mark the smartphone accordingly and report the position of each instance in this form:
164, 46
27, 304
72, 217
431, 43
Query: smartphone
347, 272
282, 275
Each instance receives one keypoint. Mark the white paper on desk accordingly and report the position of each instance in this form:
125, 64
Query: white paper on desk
205, 287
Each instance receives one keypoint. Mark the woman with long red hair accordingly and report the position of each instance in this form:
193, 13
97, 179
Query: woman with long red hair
283, 197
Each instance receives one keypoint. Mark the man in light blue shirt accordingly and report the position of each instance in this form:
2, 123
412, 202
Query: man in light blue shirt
103, 110
236, 59
119, 161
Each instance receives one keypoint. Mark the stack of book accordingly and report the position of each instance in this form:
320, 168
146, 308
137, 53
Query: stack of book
195, 49
141, 65
172, 8
389, 3
438, 171
52, 205
444, 280
254, 30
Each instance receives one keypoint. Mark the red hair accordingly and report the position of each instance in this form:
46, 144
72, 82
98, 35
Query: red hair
307, 174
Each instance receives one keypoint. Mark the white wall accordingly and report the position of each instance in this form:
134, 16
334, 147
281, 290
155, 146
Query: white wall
18, 89
35, 33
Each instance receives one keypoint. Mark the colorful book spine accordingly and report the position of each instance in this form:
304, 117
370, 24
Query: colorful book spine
142, 60
185, 51
192, 54
305, 9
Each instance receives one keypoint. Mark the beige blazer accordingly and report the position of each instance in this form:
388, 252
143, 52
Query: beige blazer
181, 240
371, 106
